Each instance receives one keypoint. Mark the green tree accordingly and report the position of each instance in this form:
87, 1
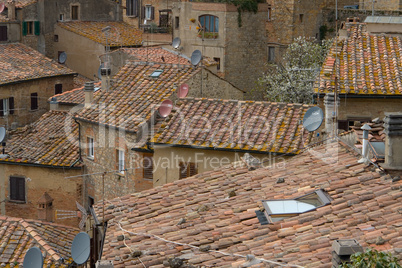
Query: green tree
291, 78
372, 258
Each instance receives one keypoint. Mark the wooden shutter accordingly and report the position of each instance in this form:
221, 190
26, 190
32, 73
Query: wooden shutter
34, 101
21, 189
24, 28
17, 188
183, 170
192, 169
13, 188
136, 7
152, 13
128, 7
11, 105
148, 167
37, 27
1, 108
142, 13
3, 33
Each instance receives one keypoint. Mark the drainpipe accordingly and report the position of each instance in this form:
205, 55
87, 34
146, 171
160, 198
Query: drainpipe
79, 138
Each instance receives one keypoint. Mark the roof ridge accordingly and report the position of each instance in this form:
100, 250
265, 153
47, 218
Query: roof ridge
32, 232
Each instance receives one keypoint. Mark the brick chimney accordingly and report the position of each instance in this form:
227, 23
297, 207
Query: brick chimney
11, 9
89, 93
45, 207
331, 126
343, 249
393, 141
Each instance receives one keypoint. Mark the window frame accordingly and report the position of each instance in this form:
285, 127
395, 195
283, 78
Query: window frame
58, 88
75, 12
186, 168
3, 33
149, 10
206, 20
271, 55
146, 169
19, 194
121, 164
34, 101
91, 148
132, 8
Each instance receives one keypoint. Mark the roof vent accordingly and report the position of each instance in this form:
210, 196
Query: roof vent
343, 249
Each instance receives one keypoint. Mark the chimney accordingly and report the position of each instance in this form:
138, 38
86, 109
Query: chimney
105, 74
89, 93
45, 207
343, 249
54, 105
330, 114
366, 128
393, 141
11, 9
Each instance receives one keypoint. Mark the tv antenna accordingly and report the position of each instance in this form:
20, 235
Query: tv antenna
33, 258
62, 57
313, 118
80, 249
182, 91
176, 45
165, 108
2, 6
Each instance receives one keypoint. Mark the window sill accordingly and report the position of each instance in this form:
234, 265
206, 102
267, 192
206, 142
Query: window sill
17, 201
34, 110
132, 16
91, 158
148, 179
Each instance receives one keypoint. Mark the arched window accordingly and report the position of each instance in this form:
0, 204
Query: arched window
209, 23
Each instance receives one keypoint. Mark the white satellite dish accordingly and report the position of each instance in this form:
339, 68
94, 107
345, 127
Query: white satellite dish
80, 249
196, 57
176, 43
33, 258
313, 118
62, 57
2, 134
2, 6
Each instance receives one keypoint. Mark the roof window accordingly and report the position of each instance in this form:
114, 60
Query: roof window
156, 73
277, 210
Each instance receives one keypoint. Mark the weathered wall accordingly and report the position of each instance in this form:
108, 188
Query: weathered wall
112, 184
13, 31
380, 4
39, 180
167, 159
21, 92
82, 54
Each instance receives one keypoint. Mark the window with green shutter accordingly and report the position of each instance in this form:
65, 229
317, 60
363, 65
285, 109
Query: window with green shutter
24, 28
37, 27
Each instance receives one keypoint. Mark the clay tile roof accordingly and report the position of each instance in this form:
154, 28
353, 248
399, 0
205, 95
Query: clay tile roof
76, 96
368, 64
156, 54
134, 95
45, 198
24, 3
19, 63
121, 34
236, 125
194, 218
51, 140
18, 235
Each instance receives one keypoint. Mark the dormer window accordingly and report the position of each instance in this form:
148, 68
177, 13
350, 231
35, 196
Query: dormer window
156, 73
277, 210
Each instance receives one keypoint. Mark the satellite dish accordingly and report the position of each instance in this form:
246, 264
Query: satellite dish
313, 118
33, 258
183, 91
80, 248
176, 42
2, 134
165, 108
196, 57
2, 6
102, 65
62, 57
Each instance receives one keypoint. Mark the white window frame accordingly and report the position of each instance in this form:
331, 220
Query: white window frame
6, 108
120, 161
91, 151
148, 12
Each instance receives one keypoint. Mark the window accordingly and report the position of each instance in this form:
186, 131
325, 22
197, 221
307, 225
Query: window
277, 210
58, 89
209, 23
74, 12
218, 60
3, 33
34, 101
17, 189
30, 28
132, 7
350, 122
148, 165
187, 169
90, 152
271, 54
176, 22
269, 13
156, 73
120, 161
301, 18
56, 38
6, 106
148, 12
61, 17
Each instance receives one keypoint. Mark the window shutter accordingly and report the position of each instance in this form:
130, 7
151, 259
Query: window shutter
11, 104
37, 27
148, 167
152, 13
3, 33
13, 188
142, 13
24, 28
136, 7
21, 189
183, 170
193, 169
1, 108
128, 7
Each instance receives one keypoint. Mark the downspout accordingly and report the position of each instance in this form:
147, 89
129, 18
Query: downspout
79, 139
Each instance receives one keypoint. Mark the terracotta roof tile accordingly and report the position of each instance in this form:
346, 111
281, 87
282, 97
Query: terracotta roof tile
237, 125
368, 64
76, 96
18, 235
155, 54
121, 34
19, 62
24, 3
134, 95
163, 222
51, 140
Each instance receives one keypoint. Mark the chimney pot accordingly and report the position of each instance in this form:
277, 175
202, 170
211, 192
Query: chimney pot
89, 93
393, 141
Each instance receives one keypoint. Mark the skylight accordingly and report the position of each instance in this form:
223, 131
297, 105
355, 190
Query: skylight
156, 73
276, 210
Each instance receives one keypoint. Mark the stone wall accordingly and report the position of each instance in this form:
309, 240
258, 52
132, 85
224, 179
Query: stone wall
38, 180
21, 92
380, 4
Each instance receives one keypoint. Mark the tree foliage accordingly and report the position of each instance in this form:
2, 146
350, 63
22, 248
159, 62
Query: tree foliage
292, 78
372, 258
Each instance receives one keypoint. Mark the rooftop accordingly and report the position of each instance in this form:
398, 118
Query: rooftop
156, 54
236, 125
76, 96
50, 141
368, 64
210, 219
19, 62
18, 235
24, 3
120, 34
134, 94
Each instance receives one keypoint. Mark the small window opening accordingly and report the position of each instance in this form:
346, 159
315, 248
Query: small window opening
156, 73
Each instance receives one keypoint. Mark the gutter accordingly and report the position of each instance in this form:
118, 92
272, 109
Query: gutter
37, 78
362, 96
38, 165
